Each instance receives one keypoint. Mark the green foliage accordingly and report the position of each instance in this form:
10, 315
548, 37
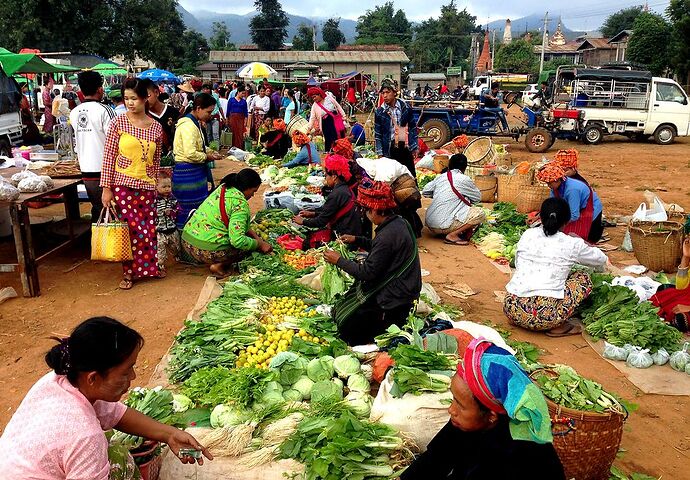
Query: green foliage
444, 40
331, 34
678, 13
220, 37
649, 42
383, 25
619, 21
194, 52
517, 56
269, 28
304, 40
553, 64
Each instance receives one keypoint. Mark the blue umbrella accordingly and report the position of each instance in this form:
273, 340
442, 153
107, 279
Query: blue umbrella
157, 75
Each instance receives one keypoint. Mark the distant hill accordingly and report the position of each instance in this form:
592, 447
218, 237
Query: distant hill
530, 23
202, 21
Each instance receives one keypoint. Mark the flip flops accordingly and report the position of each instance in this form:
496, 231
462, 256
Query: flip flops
456, 242
569, 328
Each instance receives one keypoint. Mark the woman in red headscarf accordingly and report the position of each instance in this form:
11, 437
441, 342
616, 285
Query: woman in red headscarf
276, 142
326, 116
338, 214
499, 424
388, 281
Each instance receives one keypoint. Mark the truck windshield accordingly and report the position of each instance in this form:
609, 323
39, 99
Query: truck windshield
667, 92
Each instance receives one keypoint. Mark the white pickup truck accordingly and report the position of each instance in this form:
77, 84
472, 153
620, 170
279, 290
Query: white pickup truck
626, 102
10, 120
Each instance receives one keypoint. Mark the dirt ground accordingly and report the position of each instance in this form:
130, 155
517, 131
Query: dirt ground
656, 439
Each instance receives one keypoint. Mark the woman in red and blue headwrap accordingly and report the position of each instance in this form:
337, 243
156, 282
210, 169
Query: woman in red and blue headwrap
499, 424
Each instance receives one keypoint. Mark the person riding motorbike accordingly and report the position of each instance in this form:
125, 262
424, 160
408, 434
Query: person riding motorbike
489, 102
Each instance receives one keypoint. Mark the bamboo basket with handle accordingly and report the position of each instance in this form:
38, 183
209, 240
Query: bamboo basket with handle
487, 185
657, 245
509, 186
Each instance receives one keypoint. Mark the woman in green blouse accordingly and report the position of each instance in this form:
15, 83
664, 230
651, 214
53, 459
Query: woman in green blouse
218, 232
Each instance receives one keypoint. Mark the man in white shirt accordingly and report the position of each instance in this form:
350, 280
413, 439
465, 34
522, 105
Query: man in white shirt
90, 122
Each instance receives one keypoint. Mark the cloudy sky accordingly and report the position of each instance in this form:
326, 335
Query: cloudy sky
578, 14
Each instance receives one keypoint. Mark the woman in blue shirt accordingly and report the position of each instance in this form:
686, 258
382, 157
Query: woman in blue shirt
237, 116
585, 207
307, 155
292, 106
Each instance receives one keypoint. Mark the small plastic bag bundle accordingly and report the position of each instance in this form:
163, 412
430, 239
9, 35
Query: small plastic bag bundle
613, 352
661, 357
680, 358
640, 359
8, 192
32, 185
19, 176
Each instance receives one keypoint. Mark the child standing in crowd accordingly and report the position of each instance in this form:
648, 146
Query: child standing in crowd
167, 210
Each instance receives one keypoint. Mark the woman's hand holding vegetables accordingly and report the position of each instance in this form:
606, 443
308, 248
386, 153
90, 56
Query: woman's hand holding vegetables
298, 220
347, 238
681, 309
179, 439
331, 256
307, 214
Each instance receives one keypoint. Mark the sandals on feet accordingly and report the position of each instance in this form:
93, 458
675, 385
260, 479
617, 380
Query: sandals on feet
456, 242
565, 330
126, 284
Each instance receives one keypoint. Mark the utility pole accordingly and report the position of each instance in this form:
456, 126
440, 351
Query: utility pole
493, 47
313, 29
543, 43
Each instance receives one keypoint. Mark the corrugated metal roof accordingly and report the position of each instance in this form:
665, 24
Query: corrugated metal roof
570, 47
426, 76
596, 43
317, 57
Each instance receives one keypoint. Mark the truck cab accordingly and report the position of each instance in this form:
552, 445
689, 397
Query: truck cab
10, 119
478, 84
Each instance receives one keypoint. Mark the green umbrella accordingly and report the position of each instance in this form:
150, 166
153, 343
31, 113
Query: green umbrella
108, 69
29, 63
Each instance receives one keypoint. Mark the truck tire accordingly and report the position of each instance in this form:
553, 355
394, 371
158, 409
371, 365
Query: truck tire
593, 134
437, 132
5, 148
664, 134
538, 140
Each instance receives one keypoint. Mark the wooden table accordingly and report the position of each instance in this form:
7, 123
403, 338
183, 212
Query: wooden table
27, 261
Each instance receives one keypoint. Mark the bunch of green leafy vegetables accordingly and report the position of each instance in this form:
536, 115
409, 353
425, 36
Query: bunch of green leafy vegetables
335, 281
272, 264
342, 446
414, 356
615, 314
215, 385
260, 160
508, 222
280, 285
417, 381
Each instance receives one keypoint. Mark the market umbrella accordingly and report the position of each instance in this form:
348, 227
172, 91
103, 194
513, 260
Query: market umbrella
13, 63
108, 69
255, 70
157, 75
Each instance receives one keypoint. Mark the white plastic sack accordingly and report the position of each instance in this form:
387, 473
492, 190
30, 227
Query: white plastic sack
8, 192
383, 169
430, 294
237, 153
661, 357
427, 161
644, 287
19, 176
32, 185
640, 359
309, 202
657, 213
478, 330
420, 417
613, 352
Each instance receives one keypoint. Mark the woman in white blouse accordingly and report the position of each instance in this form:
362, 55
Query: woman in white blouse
258, 108
543, 293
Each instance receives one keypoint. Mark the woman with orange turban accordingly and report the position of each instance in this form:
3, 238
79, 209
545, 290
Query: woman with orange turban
276, 142
338, 215
569, 165
388, 281
308, 154
585, 207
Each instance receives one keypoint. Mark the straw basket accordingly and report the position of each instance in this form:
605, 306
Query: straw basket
480, 151
405, 190
487, 184
297, 124
510, 185
585, 442
530, 198
504, 160
440, 162
657, 245
451, 147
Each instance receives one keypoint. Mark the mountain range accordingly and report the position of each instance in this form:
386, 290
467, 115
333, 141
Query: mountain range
202, 21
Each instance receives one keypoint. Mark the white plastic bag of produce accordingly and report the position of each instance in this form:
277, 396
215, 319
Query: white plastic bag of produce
613, 352
681, 358
640, 359
660, 357
8, 192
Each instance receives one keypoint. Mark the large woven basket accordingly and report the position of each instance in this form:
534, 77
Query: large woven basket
487, 184
530, 198
510, 185
405, 190
480, 151
586, 442
657, 245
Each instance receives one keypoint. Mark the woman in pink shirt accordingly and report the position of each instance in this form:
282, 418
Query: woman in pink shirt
57, 431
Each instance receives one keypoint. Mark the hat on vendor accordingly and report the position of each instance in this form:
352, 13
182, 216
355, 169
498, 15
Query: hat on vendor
389, 84
551, 172
299, 138
498, 382
279, 124
343, 147
567, 159
376, 196
186, 87
316, 91
338, 165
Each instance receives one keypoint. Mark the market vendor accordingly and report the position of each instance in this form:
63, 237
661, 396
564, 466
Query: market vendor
338, 215
569, 166
543, 292
218, 234
276, 142
57, 433
388, 281
499, 424
308, 154
674, 301
326, 116
190, 175
585, 207
452, 213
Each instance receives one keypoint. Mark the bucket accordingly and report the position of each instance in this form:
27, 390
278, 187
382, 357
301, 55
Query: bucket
480, 151
297, 124
487, 185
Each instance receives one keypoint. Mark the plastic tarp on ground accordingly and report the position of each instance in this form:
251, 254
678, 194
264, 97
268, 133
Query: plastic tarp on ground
29, 63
